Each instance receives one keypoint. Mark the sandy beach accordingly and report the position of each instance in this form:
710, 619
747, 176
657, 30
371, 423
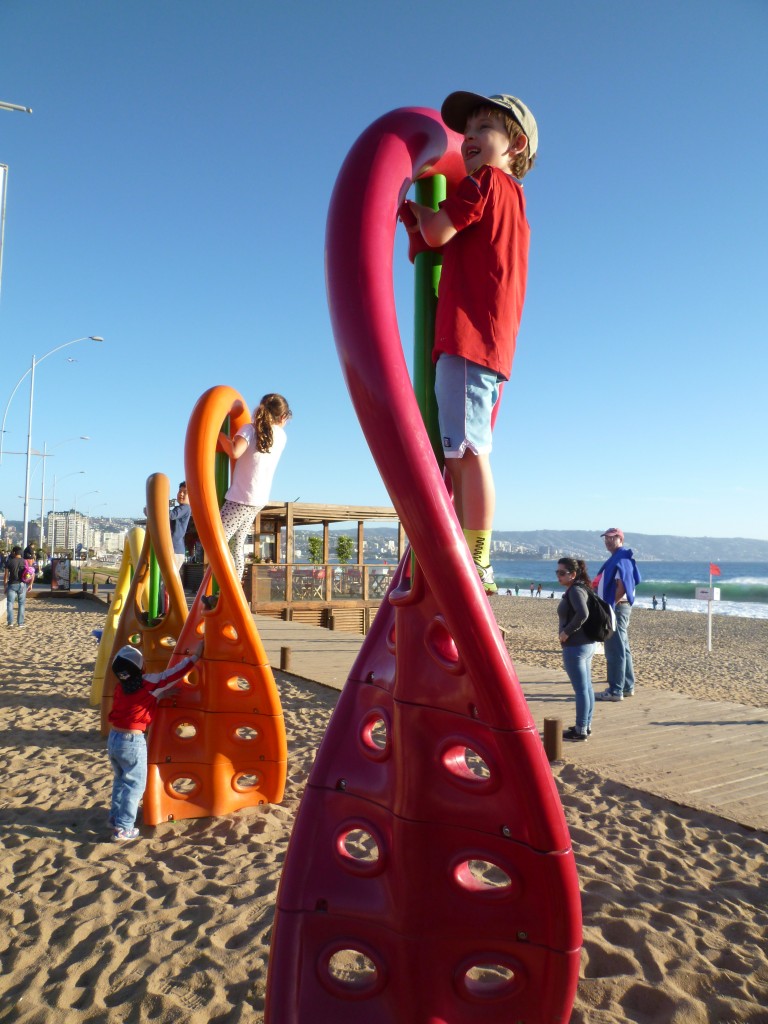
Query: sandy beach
669, 649
176, 927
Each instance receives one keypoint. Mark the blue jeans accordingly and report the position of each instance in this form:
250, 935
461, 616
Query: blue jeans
128, 754
577, 661
16, 592
618, 657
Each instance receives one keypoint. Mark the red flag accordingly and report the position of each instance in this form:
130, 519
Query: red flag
714, 570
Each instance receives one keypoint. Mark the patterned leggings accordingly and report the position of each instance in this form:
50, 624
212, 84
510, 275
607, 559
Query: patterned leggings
237, 521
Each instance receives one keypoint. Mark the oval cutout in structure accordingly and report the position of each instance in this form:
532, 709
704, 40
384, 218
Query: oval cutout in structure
246, 733
246, 782
359, 845
229, 632
375, 734
185, 730
183, 786
465, 763
239, 683
442, 646
482, 876
489, 980
352, 971
168, 641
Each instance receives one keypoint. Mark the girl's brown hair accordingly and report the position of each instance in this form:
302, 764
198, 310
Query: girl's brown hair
578, 566
270, 410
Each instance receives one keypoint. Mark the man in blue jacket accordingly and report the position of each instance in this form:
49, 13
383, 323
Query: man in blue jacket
618, 577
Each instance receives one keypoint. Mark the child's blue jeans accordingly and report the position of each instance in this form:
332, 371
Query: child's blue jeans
128, 754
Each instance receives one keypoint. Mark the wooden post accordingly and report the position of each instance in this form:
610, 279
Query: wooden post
553, 739
285, 659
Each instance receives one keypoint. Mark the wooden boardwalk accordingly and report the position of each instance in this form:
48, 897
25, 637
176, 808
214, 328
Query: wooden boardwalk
708, 755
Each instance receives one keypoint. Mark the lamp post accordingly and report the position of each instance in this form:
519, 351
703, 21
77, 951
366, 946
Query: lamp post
31, 371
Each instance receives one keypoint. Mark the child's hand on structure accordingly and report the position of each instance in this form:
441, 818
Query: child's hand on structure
408, 217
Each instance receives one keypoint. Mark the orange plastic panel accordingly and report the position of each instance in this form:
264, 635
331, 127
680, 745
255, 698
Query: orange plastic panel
226, 722
197, 790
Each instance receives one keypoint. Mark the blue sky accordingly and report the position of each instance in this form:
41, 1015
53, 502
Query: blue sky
170, 192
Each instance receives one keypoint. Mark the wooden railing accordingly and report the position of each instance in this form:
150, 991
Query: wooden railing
301, 583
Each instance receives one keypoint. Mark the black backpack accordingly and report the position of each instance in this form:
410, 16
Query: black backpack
601, 620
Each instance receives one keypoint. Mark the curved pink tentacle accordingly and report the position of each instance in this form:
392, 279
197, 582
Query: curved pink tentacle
395, 150
436, 683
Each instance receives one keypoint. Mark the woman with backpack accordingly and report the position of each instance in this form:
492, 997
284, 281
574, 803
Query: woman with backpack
578, 649
15, 587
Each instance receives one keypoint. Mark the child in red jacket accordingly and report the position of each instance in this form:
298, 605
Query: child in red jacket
134, 706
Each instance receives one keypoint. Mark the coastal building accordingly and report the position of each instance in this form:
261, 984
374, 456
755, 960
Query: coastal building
66, 531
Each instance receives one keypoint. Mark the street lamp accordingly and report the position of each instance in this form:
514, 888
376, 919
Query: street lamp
31, 371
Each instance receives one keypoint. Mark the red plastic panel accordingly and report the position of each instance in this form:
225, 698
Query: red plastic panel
489, 883
431, 782
344, 971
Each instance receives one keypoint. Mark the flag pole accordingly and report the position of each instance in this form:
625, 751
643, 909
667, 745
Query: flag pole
709, 614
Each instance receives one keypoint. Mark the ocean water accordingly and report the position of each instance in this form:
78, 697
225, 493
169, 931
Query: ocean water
743, 585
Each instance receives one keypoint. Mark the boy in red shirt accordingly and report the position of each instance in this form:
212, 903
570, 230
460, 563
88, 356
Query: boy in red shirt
133, 708
484, 235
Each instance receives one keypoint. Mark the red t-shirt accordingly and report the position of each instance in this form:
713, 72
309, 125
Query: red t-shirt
485, 268
136, 710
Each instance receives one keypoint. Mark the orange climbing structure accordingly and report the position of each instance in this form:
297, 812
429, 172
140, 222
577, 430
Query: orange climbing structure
156, 639
219, 745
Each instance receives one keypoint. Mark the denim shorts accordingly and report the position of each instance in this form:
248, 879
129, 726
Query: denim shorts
466, 394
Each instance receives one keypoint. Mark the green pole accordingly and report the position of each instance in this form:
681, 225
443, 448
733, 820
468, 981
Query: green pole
427, 268
154, 586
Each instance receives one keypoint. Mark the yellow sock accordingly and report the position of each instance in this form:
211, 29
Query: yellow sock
479, 542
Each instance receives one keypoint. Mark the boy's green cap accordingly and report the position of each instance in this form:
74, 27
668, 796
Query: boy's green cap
459, 105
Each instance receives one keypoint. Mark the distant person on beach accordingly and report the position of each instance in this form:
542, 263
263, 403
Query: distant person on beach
134, 706
484, 236
538, 591
257, 448
616, 582
578, 649
15, 588
533, 587
663, 602
655, 602
517, 590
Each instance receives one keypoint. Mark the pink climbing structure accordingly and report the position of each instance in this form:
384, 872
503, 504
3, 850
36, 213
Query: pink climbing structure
430, 877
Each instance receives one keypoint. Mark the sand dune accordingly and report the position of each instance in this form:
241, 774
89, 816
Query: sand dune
175, 928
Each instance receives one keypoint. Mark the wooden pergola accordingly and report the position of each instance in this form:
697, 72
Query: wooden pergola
325, 594
278, 516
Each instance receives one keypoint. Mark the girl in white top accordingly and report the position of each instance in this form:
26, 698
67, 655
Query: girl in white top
257, 448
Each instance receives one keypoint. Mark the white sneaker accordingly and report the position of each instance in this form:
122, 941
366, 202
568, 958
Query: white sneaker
486, 578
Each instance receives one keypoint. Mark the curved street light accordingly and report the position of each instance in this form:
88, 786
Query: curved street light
31, 371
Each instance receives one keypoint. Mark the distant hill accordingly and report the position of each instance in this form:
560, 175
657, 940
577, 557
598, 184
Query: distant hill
647, 546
